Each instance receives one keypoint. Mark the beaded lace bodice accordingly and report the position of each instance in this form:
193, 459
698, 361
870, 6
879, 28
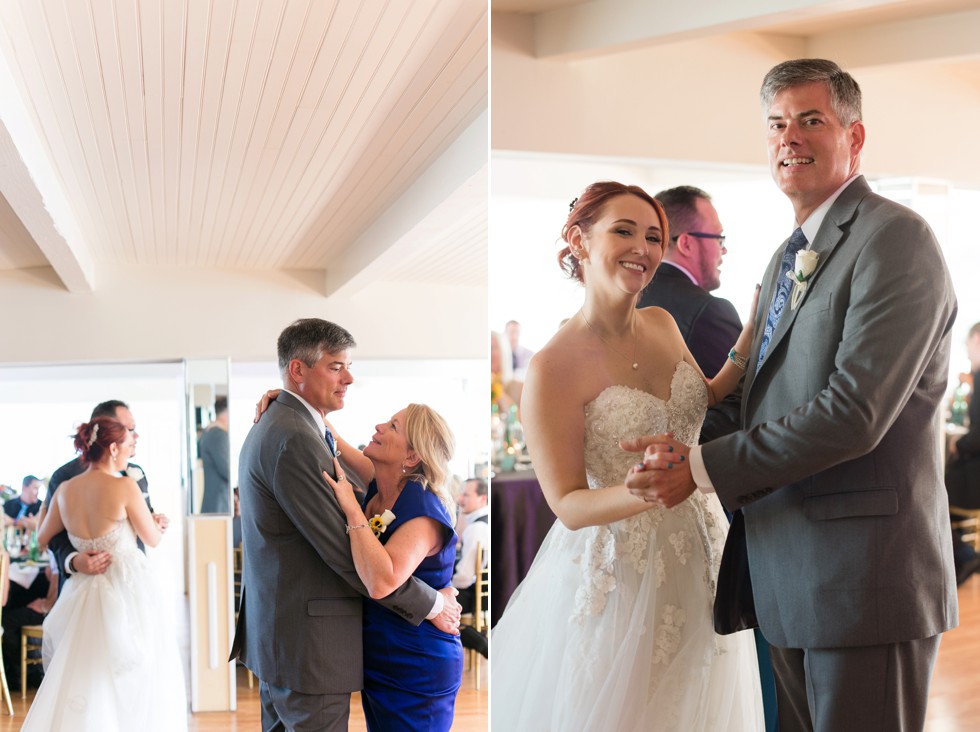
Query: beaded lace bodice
117, 540
658, 540
622, 412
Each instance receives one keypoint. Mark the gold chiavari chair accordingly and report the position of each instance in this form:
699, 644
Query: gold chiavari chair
479, 619
968, 521
26, 633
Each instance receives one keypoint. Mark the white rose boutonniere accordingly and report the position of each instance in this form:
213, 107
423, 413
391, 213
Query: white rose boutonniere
133, 471
379, 524
805, 266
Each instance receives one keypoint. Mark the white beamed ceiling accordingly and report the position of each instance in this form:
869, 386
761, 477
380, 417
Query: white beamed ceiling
243, 135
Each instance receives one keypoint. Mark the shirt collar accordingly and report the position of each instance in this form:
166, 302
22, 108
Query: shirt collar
812, 224
317, 417
682, 269
475, 514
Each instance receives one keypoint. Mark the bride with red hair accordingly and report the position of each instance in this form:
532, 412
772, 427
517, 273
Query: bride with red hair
109, 649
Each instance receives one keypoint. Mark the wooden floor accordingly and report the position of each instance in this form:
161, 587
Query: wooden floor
954, 705
471, 709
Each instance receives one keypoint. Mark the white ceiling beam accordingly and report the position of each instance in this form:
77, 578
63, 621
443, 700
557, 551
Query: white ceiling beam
29, 183
902, 41
601, 26
464, 160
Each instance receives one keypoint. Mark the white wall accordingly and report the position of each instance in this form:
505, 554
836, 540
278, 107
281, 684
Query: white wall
698, 101
144, 314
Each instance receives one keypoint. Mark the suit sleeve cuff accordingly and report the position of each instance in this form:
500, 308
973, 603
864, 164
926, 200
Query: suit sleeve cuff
699, 472
68, 569
437, 607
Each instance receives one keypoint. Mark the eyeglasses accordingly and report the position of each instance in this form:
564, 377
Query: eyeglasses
702, 235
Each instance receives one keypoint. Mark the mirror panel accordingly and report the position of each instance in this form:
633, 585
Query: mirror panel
209, 461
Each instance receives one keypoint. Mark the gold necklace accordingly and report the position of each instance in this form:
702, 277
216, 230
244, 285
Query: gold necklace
618, 353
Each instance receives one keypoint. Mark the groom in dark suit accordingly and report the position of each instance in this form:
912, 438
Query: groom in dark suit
837, 470
299, 626
69, 560
690, 270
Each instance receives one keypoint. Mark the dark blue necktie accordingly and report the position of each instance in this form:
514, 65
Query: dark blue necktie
796, 242
331, 443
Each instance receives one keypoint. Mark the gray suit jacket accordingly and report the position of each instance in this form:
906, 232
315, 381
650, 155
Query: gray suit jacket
837, 470
299, 625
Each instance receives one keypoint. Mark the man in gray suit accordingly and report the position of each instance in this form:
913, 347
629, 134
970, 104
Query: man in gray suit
837, 470
299, 627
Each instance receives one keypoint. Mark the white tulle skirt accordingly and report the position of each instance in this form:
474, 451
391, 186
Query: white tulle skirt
110, 656
611, 631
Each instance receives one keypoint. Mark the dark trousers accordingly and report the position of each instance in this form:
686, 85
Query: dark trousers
864, 689
284, 709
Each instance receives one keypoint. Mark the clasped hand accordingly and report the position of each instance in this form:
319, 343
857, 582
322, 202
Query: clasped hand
664, 475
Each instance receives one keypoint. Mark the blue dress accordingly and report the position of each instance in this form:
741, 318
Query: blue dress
412, 674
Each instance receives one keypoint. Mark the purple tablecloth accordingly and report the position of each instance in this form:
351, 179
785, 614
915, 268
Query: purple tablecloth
520, 519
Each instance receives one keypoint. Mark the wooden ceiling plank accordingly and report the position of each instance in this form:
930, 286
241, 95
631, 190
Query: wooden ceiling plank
248, 140
212, 117
80, 73
381, 57
101, 63
461, 161
168, 53
44, 100
439, 103
196, 31
355, 29
129, 67
231, 141
147, 29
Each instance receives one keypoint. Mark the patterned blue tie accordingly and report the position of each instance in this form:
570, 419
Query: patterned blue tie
331, 443
796, 242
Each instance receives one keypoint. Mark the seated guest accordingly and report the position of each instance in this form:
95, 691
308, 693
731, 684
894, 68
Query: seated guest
963, 465
475, 517
475, 514
28, 597
23, 509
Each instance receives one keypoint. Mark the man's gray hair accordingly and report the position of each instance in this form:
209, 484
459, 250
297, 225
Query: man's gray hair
308, 339
845, 94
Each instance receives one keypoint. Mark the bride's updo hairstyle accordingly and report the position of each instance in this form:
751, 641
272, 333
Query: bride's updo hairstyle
427, 433
585, 210
94, 438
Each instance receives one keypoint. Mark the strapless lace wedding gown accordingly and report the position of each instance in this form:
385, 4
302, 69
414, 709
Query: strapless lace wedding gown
612, 630
110, 650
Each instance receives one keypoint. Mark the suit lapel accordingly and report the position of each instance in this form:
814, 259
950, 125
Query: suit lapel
828, 237
290, 402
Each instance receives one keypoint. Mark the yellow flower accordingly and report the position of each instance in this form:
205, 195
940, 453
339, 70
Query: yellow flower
496, 389
379, 524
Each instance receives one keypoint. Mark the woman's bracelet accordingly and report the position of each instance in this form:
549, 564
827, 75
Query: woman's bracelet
741, 362
359, 526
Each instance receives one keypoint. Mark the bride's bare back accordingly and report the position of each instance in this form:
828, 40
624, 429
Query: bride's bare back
91, 504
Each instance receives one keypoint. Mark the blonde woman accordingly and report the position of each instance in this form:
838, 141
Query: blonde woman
405, 528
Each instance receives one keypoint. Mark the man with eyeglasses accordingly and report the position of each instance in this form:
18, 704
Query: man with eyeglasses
690, 270
69, 560
682, 286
